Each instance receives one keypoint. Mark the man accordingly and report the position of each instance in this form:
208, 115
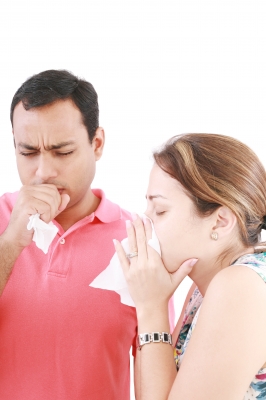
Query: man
60, 338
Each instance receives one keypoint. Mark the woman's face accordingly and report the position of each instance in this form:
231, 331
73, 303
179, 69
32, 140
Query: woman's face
181, 232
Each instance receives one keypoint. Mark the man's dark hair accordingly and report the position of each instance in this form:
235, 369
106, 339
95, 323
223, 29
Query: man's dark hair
52, 85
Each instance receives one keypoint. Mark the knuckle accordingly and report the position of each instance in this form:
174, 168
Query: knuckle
142, 239
138, 223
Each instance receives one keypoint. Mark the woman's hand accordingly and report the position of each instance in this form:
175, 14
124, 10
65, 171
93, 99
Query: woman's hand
150, 284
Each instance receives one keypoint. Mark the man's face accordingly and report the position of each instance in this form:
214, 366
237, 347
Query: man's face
53, 147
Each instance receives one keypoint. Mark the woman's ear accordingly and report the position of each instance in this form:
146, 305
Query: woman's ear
225, 221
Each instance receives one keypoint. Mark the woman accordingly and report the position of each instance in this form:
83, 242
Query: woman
207, 200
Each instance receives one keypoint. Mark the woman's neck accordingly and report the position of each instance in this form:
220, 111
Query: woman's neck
205, 270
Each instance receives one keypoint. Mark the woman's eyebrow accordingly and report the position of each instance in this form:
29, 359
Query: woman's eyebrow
156, 196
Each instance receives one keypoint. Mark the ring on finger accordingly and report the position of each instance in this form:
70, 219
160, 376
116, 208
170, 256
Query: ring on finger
131, 255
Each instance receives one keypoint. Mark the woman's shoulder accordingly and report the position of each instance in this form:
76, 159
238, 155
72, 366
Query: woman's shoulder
228, 339
256, 262
256, 259
241, 284
238, 276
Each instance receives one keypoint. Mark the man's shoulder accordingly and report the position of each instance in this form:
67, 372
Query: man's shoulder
119, 211
125, 214
109, 211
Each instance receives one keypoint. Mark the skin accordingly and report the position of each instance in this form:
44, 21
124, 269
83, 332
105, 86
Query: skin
234, 298
56, 164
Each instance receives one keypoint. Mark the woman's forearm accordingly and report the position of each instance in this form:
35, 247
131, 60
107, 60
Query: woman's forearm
155, 369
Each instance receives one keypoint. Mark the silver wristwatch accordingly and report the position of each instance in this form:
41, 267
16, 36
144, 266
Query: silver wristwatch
154, 337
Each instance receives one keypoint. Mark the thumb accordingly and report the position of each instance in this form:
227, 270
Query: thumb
65, 198
183, 271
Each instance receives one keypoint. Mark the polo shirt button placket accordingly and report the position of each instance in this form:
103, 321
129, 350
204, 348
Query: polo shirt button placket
62, 241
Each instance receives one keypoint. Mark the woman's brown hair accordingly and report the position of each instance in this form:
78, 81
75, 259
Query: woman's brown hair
218, 170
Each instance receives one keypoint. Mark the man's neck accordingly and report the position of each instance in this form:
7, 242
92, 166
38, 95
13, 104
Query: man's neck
72, 214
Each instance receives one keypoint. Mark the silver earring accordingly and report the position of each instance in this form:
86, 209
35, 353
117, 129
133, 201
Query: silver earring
214, 235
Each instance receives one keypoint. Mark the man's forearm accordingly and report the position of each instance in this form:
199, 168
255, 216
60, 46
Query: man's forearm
8, 256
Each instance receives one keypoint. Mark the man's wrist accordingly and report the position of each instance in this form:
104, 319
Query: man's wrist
11, 244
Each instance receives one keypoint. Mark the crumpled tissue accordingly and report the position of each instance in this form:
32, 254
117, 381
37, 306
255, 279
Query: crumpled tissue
44, 233
112, 278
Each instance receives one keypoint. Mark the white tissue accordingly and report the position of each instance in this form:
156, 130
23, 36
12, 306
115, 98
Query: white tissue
44, 233
112, 278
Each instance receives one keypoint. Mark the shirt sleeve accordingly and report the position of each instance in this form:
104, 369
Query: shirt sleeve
135, 344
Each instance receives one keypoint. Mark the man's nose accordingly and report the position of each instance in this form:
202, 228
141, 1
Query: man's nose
46, 168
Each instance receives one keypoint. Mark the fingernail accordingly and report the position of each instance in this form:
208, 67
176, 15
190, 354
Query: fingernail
128, 224
134, 216
114, 241
145, 220
193, 262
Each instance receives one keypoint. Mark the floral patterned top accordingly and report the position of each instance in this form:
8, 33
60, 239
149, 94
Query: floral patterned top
257, 262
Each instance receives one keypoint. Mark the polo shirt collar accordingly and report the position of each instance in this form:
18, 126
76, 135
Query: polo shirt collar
106, 211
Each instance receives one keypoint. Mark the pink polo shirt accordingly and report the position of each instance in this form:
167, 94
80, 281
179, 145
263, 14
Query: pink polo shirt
60, 338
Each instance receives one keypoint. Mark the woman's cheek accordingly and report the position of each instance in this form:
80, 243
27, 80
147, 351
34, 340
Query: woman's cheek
167, 245
167, 257
160, 236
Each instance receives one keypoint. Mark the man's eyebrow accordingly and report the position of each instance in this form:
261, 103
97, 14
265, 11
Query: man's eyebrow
48, 148
156, 196
60, 145
26, 146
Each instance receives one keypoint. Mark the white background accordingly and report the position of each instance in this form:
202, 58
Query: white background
160, 68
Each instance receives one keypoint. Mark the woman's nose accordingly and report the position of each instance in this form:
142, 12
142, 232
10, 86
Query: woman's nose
148, 213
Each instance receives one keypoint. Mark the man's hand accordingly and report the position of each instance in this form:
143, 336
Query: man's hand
42, 199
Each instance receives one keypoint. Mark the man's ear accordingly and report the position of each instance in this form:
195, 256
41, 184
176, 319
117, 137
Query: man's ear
98, 143
225, 221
